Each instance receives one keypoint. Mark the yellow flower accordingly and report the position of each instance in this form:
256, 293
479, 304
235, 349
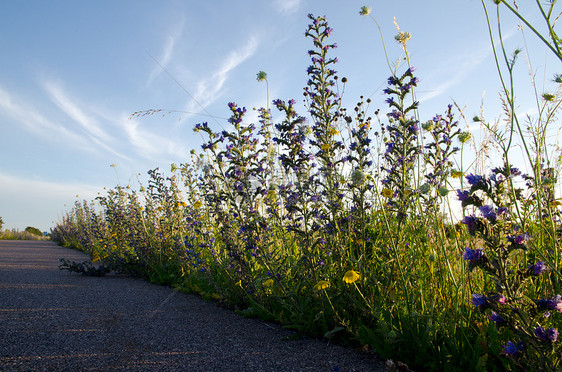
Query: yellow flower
197, 204
456, 174
325, 146
322, 284
333, 131
268, 283
555, 203
351, 276
95, 257
387, 193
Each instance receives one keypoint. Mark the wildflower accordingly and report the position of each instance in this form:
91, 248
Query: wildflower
322, 284
456, 174
479, 300
538, 268
464, 137
552, 334
518, 239
474, 256
554, 303
358, 177
488, 213
540, 332
351, 276
365, 10
500, 299
494, 317
403, 37
463, 195
511, 349
261, 76
474, 179
471, 223
387, 193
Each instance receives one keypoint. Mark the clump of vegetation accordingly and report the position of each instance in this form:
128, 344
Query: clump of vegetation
33, 230
335, 223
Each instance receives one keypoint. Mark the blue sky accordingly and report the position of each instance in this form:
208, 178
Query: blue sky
73, 72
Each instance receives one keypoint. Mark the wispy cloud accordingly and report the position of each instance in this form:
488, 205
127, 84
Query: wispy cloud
89, 124
287, 6
165, 57
148, 144
37, 124
463, 64
70, 108
462, 69
208, 89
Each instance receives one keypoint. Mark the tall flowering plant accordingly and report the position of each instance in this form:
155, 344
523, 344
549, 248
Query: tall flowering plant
402, 145
518, 302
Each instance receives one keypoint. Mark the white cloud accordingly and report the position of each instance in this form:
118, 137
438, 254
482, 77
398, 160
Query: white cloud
167, 52
462, 65
208, 90
91, 126
148, 144
61, 99
37, 124
287, 6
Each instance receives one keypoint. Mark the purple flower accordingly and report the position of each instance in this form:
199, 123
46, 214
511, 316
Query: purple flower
501, 211
472, 255
510, 348
518, 239
463, 195
471, 224
494, 317
488, 213
501, 299
554, 303
538, 268
540, 333
479, 300
473, 179
552, 334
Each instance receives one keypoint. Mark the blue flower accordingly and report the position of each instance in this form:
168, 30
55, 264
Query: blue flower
538, 268
554, 303
488, 213
471, 224
552, 334
472, 255
474, 179
518, 239
494, 317
511, 349
480, 300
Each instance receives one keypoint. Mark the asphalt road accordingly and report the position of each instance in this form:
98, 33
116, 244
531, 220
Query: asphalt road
52, 320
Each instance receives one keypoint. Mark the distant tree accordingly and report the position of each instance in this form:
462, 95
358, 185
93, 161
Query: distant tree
33, 230
1, 223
